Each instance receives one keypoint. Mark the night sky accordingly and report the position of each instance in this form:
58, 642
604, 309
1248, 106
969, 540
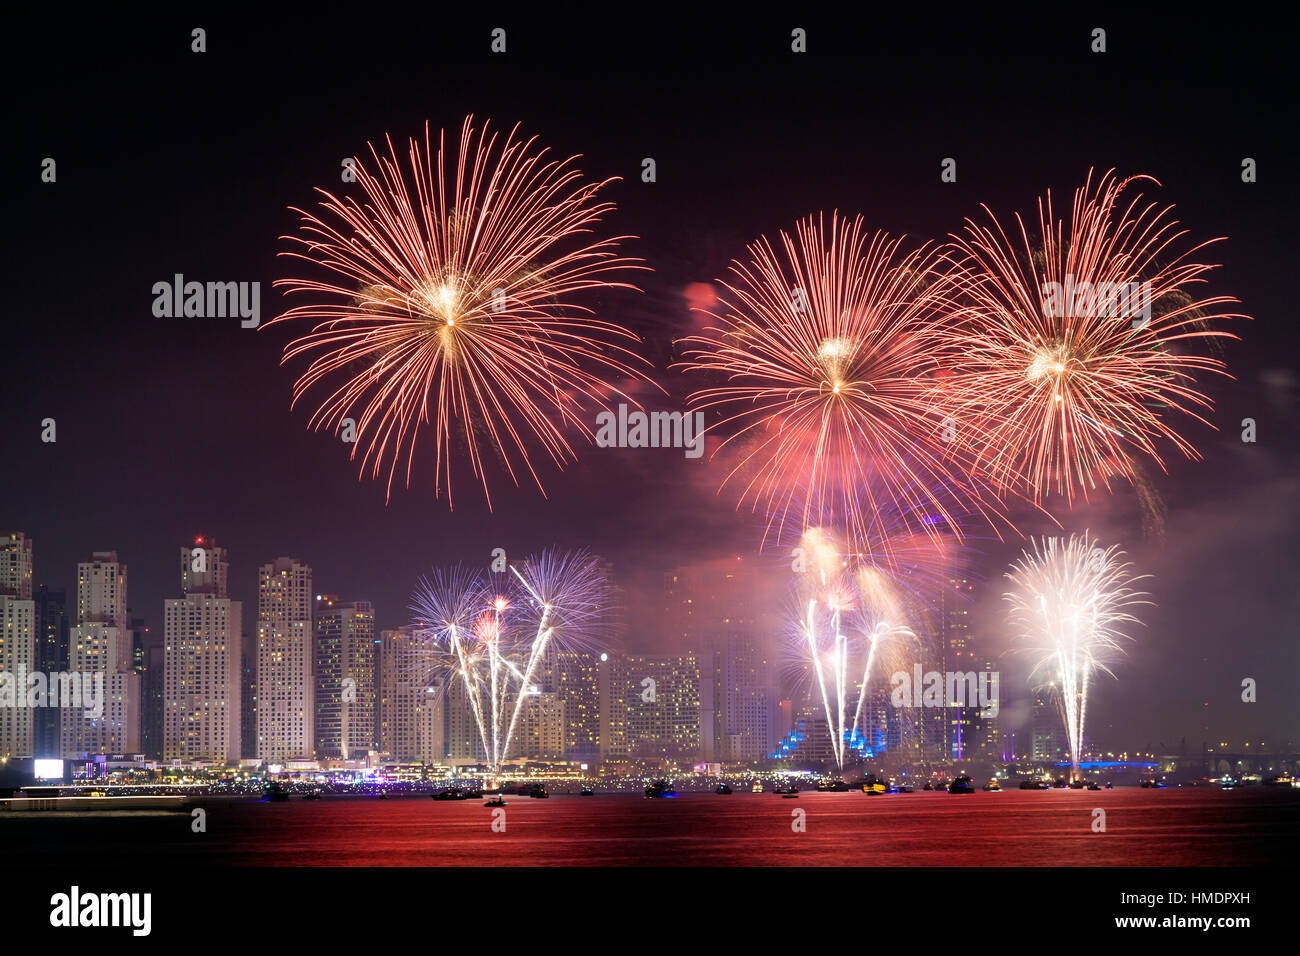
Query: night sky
174, 162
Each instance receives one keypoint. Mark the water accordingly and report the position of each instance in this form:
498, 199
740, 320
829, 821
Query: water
1177, 827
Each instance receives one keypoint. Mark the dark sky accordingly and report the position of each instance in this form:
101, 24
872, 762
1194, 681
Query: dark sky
170, 161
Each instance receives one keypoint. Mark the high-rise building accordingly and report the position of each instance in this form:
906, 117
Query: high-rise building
18, 648
410, 706
204, 568
652, 707
541, 732
17, 660
721, 611
743, 717
285, 688
100, 650
201, 695
1049, 744
201, 692
345, 677
15, 565
52, 628
573, 676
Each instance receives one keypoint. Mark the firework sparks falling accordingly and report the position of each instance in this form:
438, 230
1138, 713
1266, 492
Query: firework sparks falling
449, 302
822, 352
490, 634
1070, 359
849, 612
1070, 605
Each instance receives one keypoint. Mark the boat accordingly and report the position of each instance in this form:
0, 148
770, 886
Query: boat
757, 787
1151, 783
992, 787
872, 787
587, 792
538, 792
448, 793
1076, 784
495, 802
1109, 785
928, 786
660, 788
962, 784
786, 790
311, 795
905, 788
1093, 785
723, 789
275, 793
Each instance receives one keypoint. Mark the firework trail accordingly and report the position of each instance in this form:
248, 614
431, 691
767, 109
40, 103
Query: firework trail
448, 301
849, 612
822, 352
1069, 607
491, 633
1068, 350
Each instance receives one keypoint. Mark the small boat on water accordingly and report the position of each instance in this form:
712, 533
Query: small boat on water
586, 792
311, 795
495, 802
757, 787
538, 792
723, 789
928, 786
448, 793
1151, 783
992, 787
1109, 785
274, 793
905, 788
1093, 785
660, 789
786, 790
873, 788
962, 784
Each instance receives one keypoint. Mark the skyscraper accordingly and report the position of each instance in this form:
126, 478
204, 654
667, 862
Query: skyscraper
52, 630
19, 653
722, 611
100, 649
345, 677
285, 688
652, 708
201, 655
15, 565
410, 708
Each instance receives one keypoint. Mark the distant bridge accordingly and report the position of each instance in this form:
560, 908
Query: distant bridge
1217, 764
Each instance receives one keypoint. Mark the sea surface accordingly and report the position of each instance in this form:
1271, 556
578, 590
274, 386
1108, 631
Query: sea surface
1175, 827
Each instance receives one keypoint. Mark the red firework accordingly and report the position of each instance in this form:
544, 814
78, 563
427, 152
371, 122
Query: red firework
822, 353
1070, 350
448, 302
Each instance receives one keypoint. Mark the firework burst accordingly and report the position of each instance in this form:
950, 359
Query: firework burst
1070, 351
490, 634
448, 302
851, 616
1069, 607
822, 349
